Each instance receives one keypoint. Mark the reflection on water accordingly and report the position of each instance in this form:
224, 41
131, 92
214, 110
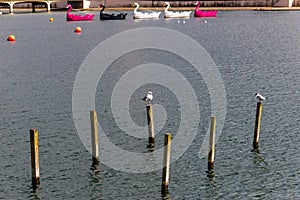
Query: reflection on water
211, 186
254, 52
166, 196
95, 184
36, 192
259, 158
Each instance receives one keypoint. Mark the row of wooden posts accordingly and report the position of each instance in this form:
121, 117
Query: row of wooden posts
167, 145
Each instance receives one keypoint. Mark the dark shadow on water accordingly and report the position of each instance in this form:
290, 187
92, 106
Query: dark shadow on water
165, 196
210, 174
95, 168
95, 182
211, 185
151, 147
255, 150
258, 158
259, 172
35, 192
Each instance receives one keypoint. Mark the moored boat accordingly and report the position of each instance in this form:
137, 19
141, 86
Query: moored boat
78, 17
202, 13
111, 16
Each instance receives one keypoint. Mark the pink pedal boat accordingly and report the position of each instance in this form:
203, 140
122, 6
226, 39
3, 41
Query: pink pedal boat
74, 17
202, 13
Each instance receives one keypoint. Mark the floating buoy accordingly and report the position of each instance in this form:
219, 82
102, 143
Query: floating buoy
11, 38
51, 19
77, 29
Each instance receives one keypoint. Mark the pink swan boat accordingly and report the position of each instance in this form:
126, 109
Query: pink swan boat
202, 13
74, 17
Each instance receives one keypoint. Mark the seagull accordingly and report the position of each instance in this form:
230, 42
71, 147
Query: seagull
148, 98
260, 97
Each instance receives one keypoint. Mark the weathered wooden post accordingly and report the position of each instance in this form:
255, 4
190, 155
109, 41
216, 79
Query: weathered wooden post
150, 125
211, 150
94, 136
34, 147
33, 7
257, 125
11, 8
166, 163
48, 7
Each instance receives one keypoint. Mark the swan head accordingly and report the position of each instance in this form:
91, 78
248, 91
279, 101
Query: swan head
135, 4
197, 2
101, 5
69, 6
166, 4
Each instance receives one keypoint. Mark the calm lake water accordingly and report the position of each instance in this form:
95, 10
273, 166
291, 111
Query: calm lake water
254, 51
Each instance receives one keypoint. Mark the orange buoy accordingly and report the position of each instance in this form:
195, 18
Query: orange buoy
11, 38
51, 19
77, 29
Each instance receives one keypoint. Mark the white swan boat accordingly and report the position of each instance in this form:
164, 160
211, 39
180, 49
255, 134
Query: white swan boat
172, 14
144, 15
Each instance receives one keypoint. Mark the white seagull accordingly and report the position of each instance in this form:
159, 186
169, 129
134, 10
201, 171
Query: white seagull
260, 97
148, 98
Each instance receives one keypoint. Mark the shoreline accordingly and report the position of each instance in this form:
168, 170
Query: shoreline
205, 8
5, 11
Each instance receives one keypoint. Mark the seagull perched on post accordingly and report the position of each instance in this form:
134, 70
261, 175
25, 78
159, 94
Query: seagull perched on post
260, 97
148, 98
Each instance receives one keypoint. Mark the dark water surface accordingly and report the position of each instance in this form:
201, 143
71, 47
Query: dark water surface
254, 51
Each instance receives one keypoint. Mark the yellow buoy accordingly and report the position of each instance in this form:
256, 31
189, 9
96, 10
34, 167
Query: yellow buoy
11, 38
77, 29
51, 19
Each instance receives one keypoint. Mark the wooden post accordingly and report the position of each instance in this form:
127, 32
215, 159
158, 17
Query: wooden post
150, 125
48, 6
33, 7
94, 136
166, 163
11, 7
211, 150
34, 147
257, 125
